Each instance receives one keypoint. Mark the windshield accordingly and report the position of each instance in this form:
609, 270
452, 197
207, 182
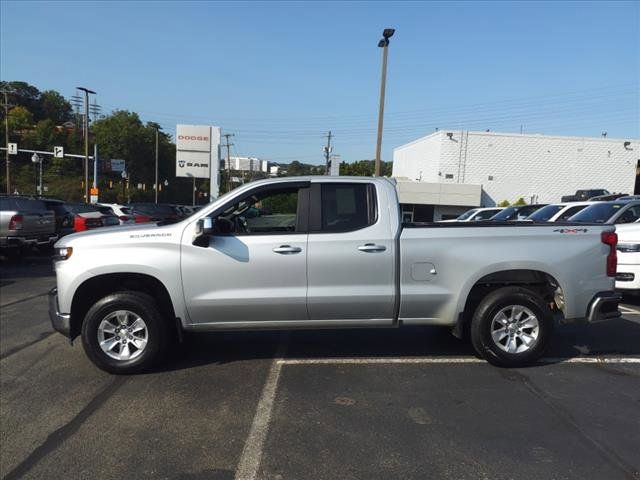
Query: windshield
597, 213
467, 214
545, 213
80, 208
505, 214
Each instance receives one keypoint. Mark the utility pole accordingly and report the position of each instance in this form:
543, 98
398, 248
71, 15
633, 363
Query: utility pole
86, 142
327, 154
384, 44
156, 184
6, 135
228, 145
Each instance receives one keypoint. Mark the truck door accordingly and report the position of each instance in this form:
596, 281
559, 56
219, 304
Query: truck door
254, 267
351, 254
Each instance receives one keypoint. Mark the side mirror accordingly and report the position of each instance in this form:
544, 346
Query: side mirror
204, 228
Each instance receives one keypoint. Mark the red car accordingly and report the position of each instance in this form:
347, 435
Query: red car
87, 217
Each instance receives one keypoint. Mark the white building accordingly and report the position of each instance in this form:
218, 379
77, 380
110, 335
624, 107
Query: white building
246, 164
508, 166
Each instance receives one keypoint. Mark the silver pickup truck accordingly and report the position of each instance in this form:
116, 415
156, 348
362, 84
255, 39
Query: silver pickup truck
327, 252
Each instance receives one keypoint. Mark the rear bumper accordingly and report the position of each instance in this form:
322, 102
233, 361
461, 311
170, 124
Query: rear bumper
27, 240
604, 306
61, 322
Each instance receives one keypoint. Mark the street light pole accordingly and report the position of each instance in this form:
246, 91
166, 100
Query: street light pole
384, 44
35, 158
156, 184
86, 142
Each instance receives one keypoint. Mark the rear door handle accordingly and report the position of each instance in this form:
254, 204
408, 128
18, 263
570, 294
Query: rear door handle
287, 250
372, 247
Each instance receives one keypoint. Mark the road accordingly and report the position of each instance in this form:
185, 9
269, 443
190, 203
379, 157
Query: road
379, 404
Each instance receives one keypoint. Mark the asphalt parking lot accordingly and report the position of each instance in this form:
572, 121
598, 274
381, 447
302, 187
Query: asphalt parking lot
380, 404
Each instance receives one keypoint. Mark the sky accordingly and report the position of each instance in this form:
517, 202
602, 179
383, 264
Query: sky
280, 75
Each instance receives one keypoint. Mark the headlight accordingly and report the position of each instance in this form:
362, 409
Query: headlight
62, 253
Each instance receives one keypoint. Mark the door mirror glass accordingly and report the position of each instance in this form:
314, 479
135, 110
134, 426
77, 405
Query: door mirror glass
204, 226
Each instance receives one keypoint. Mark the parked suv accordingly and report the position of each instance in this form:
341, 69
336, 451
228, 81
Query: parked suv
25, 222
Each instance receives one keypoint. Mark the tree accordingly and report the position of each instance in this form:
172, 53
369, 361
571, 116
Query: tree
520, 201
19, 119
55, 107
504, 203
365, 168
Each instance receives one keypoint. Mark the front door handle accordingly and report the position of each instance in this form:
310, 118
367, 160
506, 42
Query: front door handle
372, 247
287, 250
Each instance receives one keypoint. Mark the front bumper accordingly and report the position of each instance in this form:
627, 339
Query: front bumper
604, 306
61, 322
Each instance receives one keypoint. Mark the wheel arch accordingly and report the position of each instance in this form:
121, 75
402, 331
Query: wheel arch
99, 286
541, 282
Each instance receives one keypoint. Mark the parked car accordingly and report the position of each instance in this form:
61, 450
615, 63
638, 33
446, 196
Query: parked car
609, 212
608, 198
582, 195
476, 214
314, 252
87, 217
124, 214
628, 272
516, 212
63, 217
157, 212
25, 222
557, 212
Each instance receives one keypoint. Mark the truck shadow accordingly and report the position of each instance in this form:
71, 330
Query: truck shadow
616, 338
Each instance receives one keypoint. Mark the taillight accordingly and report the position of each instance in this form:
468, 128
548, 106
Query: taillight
16, 222
79, 223
611, 239
124, 218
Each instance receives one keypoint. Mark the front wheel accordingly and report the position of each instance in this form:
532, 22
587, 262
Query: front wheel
124, 333
511, 327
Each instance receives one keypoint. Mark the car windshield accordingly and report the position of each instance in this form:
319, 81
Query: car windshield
153, 209
467, 214
81, 208
545, 213
506, 214
597, 213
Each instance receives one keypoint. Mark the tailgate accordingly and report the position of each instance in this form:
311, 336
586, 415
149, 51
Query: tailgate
37, 222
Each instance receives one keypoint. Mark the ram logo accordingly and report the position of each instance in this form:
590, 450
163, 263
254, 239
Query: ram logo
181, 163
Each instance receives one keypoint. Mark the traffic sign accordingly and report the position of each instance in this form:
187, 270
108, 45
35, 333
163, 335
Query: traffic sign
58, 152
13, 148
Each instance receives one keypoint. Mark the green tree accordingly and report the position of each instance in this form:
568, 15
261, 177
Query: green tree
520, 201
55, 107
19, 119
504, 203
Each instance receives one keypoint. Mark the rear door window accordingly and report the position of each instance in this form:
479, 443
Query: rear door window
346, 207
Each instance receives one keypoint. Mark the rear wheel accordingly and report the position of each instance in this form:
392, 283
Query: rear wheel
511, 327
124, 333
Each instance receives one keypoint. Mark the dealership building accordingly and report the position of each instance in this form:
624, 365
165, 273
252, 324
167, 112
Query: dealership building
449, 171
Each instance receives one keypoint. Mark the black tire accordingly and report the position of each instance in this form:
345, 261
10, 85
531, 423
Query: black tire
141, 304
490, 307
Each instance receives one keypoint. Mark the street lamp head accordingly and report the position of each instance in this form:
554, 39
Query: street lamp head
86, 90
388, 33
383, 43
35, 158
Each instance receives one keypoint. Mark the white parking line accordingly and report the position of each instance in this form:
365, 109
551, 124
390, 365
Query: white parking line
444, 360
249, 463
